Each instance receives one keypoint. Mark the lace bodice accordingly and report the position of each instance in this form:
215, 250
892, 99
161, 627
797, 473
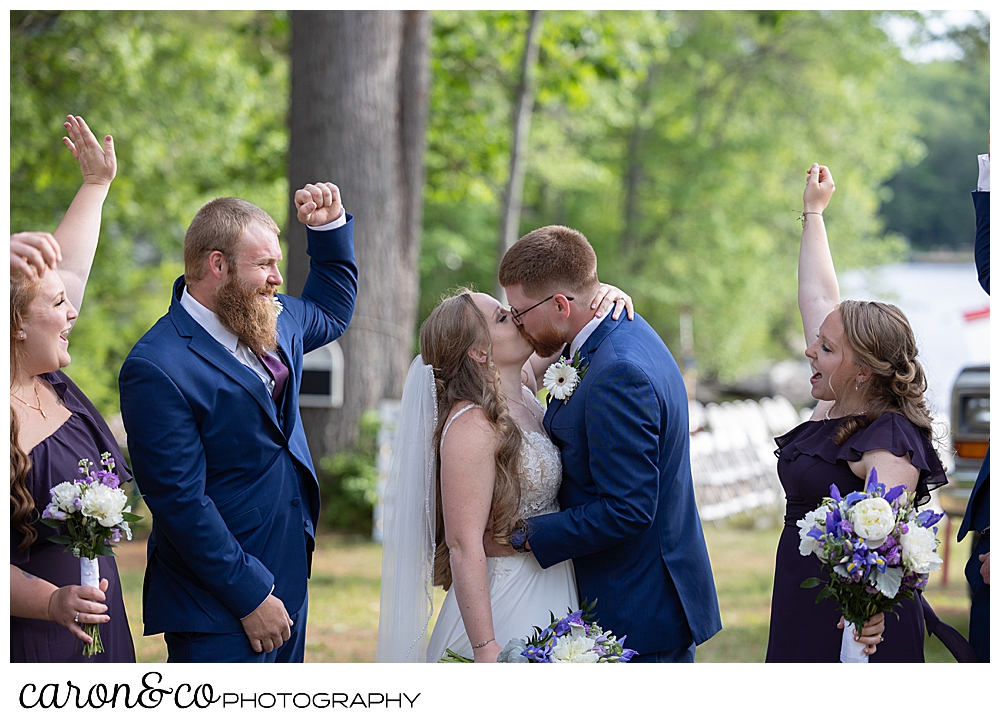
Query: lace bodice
541, 474
541, 471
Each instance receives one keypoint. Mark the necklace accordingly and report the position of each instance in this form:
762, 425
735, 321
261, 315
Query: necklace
827, 414
38, 401
521, 402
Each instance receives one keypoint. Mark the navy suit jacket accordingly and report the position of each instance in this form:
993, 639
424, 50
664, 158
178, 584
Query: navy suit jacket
628, 518
224, 470
977, 514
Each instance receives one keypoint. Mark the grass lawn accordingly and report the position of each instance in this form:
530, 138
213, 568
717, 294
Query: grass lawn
344, 597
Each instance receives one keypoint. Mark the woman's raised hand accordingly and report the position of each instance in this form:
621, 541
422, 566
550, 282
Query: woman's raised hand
97, 163
819, 189
32, 253
611, 295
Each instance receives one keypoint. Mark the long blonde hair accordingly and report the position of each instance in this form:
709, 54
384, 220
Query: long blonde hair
453, 328
881, 338
22, 506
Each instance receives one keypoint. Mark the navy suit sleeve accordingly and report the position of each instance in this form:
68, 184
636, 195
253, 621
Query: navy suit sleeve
327, 303
981, 200
623, 430
168, 460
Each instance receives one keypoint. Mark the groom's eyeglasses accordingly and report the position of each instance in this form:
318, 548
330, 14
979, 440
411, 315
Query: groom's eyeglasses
516, 315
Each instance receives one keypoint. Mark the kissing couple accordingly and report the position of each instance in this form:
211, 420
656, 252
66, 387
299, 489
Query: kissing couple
520, 511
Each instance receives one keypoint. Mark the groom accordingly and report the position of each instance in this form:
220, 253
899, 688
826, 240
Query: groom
209, 398
628, 518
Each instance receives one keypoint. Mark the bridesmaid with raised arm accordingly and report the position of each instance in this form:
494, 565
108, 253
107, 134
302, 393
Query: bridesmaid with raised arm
54, 425
870, 413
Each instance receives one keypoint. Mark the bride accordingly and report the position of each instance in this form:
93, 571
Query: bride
496, 465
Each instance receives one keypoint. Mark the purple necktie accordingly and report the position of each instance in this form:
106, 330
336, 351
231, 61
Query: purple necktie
278, 371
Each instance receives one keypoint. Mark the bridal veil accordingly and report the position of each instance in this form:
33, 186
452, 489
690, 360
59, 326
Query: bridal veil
407, 596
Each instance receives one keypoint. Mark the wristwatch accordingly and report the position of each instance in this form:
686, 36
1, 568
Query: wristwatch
519, 536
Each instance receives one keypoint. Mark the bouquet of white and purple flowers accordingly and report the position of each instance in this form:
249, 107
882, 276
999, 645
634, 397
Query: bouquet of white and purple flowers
575, 638
94, 512
875, 549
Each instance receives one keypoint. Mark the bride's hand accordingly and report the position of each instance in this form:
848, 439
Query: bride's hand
819, 189
488, 653
608, 295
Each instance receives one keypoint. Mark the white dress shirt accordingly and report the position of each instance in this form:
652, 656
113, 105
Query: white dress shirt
984, 173
584, 334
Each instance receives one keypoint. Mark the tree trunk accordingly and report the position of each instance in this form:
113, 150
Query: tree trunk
360, 87
510, 217
634, 174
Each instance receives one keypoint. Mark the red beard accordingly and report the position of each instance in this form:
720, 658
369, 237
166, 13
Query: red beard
547, 343
252, 319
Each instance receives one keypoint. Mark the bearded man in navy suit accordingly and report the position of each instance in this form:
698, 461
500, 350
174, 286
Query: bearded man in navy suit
209, 398
628, 520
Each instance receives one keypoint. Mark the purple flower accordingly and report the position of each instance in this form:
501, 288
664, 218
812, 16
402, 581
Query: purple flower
78, 503
854, 498
116, 535
928, 518
54, 513
847, 527
108, 479
893, 556
835, 493
537, 654
627, 654
894, 493
873, 486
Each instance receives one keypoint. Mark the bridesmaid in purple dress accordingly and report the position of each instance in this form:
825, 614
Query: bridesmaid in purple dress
53, 425
870, 414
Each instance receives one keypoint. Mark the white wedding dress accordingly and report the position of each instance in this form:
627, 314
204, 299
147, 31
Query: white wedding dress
522, 594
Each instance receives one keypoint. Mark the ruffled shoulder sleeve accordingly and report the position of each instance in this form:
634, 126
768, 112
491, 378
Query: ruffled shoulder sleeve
900, 436
891, 431
77, 402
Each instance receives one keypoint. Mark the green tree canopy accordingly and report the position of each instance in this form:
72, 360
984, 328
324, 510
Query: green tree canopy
196, 103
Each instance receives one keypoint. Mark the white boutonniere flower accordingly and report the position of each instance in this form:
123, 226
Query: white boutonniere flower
562, 377
278, 306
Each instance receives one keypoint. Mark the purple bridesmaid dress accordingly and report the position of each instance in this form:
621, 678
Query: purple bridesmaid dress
801, 630
84, 435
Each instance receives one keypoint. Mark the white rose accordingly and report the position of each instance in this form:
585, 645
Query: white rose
574, 648
919, 553
809, 545
63, 495
873, 519
104, 504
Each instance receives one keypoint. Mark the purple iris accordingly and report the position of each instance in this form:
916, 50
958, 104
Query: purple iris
894, 493
537, 654
928, 518
627, 654
835, 493
854, 498
833, 520
873, 487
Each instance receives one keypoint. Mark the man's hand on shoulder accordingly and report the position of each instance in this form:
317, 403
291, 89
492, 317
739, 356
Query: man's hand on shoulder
318, 204
269, 626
